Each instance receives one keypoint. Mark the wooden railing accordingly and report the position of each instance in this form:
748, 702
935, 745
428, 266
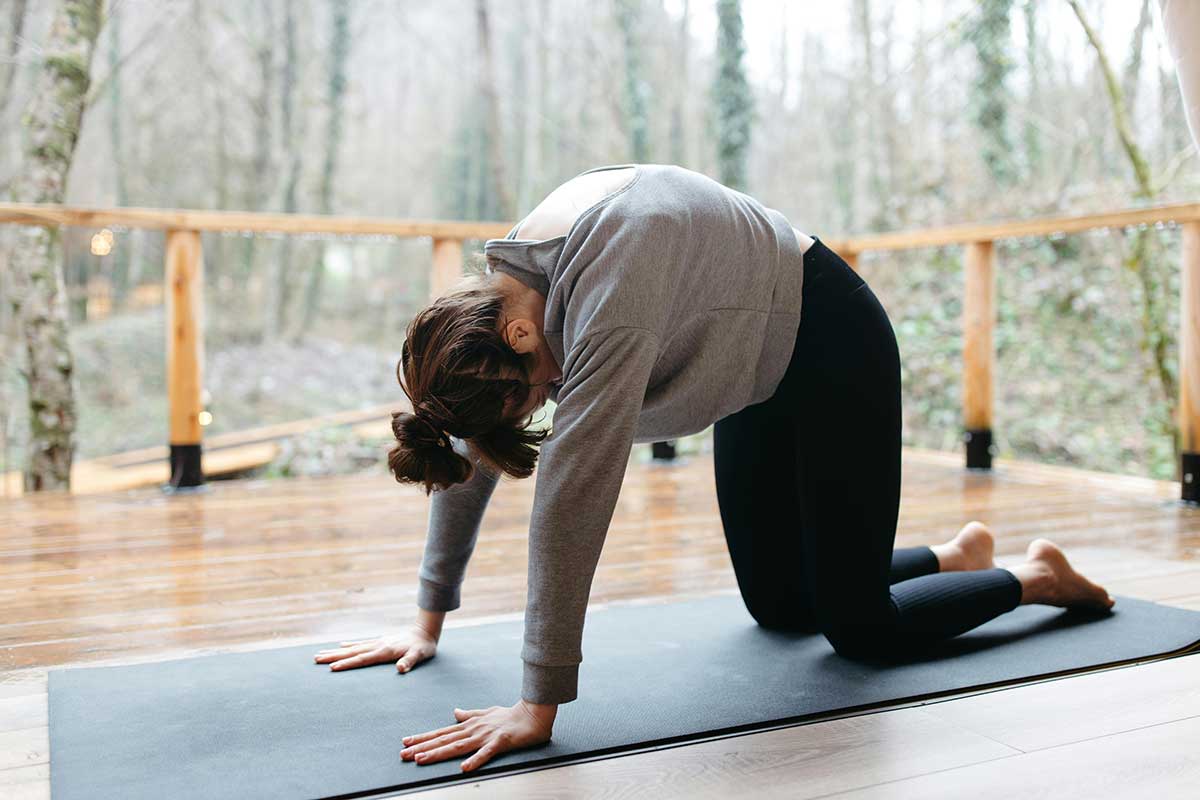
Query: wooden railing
184, 281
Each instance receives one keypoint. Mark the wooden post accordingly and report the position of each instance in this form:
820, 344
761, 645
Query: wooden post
1189, 364
979, 314
447, 266
185, 354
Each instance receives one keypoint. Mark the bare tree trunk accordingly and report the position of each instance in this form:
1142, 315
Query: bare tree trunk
283, 271
534, 80
1133, 67
636, 119
869, 121
52, 123
1140, 260
491, 104
339, 50
1116, 96
1033, 104
264, 55
120, 254
8, 66
679, 108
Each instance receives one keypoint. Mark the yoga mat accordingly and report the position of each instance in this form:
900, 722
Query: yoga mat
272, 724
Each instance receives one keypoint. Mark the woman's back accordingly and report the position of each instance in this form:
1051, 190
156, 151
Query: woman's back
554, 216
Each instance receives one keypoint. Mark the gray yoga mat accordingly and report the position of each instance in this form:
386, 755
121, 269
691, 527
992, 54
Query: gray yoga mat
272, 724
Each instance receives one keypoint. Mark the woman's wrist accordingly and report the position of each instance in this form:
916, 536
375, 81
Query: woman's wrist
544, 713
430, 622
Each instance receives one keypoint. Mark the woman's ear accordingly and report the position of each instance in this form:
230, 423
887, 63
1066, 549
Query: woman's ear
521, 335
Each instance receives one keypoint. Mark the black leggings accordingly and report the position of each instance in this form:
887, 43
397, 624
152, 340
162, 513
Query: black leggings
808, 485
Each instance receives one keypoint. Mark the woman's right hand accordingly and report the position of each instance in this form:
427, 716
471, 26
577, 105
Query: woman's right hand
407, 649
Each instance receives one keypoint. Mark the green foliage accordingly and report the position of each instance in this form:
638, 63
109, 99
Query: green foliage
990, 35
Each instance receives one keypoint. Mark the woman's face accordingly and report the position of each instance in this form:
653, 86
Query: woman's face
525, 337
521, 329
542, 375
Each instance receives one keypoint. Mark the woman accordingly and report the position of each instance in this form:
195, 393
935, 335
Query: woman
649, 302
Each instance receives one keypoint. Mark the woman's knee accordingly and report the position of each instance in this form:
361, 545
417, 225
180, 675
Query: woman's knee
794, 618
872, 640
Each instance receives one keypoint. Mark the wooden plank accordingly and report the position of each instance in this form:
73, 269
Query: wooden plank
979, 355
447, 267
185, 337
119, 578
799, 762
1081, 707
154, 218
90, 477
262, 433
1159, 761
22, 748
1133, 485
1013, 229
49, 214
26, 783
1189, 342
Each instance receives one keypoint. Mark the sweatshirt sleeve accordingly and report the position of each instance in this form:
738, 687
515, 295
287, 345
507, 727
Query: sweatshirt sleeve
580, 470
455, 514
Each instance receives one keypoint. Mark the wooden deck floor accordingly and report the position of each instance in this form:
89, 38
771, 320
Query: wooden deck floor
133, 576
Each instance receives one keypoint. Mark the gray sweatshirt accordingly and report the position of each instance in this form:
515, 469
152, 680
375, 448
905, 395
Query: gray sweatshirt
670, 303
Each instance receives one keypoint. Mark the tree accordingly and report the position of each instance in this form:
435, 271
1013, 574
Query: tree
731, 97
1031, 136
489, 96
282, 273
636, 90
120, 255
1140, 259
8, 65
339, 49
52, 122
990, 34
679, 108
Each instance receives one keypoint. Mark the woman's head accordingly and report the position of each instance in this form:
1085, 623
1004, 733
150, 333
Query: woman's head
475, 366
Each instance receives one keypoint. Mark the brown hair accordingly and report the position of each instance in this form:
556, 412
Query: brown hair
459, 375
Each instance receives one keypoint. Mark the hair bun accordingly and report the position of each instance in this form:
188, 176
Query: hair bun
424, 453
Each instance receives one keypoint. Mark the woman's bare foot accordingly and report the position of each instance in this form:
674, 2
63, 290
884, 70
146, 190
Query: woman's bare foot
973, 548
1048, 578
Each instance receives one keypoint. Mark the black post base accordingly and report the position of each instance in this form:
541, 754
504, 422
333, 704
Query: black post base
1189, 478
979, 448
663, 451
185, 466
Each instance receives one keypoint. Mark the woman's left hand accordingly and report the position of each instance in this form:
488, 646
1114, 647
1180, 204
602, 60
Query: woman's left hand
486, 732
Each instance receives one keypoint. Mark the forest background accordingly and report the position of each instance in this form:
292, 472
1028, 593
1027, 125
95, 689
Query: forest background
849, 117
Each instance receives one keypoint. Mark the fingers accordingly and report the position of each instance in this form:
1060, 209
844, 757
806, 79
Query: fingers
484, 755
457, 748
411, 658
361, 660
425, 737
442, 747
325, 656
474, 712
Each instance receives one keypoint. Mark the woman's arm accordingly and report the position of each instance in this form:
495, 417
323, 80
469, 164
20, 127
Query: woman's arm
431, 622
580, 471
455, 514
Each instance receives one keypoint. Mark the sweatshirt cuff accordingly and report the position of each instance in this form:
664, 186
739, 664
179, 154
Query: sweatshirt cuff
548, 685
437, 596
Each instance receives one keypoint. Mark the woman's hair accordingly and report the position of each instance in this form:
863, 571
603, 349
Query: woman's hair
462, 380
